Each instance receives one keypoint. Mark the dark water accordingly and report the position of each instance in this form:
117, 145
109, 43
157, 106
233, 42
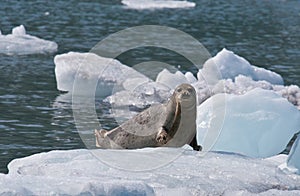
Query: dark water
266, 32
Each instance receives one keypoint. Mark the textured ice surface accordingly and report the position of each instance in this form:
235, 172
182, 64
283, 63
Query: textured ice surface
259, 123
112, 77
251, 115
231, 65
242, 84
20, 43
157, 4
77, 172
293, 162
140, 94
86, 73
171, 80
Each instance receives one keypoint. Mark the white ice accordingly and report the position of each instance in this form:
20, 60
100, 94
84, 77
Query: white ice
242, 84
21, 43
157, 4
140, 94
259, 123
79, 172
88, 73
253, 117
231, 65
117, 77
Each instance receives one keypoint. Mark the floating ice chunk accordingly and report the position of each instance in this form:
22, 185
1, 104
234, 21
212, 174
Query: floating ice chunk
259, 123
86, 73
157, 4
190, 77
293, 162
231, 65
243, 84
171, 80
39, 174
19, 31
20, 43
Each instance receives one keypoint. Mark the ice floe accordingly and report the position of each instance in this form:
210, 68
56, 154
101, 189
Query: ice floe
231, 65
111, 77
80, 172
21, 43
257, 115
81, 73
259, 123
254, 113
157, 4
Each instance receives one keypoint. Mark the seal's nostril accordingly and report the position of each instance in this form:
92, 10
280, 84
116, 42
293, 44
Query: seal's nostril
185, 93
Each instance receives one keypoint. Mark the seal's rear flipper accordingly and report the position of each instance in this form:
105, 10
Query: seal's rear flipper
162, 136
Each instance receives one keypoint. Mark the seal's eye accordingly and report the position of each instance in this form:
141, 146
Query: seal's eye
179, 90
190, 90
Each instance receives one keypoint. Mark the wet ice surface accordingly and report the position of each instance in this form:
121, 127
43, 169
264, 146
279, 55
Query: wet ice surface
21, 43
80, 172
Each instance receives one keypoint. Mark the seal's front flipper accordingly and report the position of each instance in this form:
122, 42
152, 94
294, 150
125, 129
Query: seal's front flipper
162, 136
99, 134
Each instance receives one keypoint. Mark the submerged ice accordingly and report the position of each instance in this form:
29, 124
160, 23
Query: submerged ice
21, 43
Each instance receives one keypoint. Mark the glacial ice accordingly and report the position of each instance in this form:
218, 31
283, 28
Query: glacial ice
242, 84
259, 123
20, 43
80, 172
157, 4
86, 73
258, 120
231, 65
171, 80
238, 80
239, 77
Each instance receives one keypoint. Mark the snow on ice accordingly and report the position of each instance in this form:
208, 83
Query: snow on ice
21, 43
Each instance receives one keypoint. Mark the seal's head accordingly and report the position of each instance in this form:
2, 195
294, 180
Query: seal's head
186, 95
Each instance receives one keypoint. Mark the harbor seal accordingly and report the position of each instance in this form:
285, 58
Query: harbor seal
172, 124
